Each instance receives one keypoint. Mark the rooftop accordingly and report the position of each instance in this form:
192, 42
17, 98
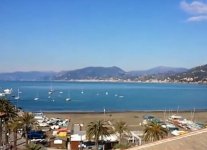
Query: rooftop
191, 141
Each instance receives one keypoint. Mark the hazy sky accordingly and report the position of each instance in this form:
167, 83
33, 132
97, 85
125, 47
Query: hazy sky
131, 34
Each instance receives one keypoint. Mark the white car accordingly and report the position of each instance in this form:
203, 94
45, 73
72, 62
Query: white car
43, 124
54, 127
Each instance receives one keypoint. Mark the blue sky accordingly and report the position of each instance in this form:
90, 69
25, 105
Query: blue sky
131, 34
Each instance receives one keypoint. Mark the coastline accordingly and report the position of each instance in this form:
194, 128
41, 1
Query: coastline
127, 111
127, 81
132, 118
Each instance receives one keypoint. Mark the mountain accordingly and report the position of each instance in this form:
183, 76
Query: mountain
88, 73
157, 71
157, 74
196, 74
91, 73
26, 76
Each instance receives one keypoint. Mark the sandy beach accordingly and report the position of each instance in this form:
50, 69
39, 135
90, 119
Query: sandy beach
133, 119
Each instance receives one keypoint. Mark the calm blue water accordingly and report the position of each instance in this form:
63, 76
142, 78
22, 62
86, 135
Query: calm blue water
111, 96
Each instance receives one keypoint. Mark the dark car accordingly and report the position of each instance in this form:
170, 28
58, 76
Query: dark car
36, 135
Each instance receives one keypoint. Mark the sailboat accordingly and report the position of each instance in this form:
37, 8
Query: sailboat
17, 97
51, 90
68, 98
36, 98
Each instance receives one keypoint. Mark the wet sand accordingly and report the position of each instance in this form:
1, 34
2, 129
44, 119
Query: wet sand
133, 119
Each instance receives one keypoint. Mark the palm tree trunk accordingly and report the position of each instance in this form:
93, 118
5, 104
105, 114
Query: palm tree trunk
96, 142
0, 131
26, 137
6, 134
120, 138
15, 140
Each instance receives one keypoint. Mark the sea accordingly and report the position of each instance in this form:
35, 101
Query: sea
105, 96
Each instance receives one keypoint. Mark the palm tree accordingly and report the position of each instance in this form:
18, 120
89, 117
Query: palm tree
2, 115
96, 130
27, 121
154, 132
14, 125
9, 110
120, 127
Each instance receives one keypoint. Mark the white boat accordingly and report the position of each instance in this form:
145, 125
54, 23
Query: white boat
17, 97
61, 92
8, 91
2, 94
68, 98
36, 98
107, 93
51, 91
82, 92
177, 133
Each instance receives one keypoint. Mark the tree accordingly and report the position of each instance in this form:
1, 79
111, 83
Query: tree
27, 121
97, 129
154, 132
14, 125
10, 112
2, 115
120, 127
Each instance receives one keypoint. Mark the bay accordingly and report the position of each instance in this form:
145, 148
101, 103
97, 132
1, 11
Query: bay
97, 96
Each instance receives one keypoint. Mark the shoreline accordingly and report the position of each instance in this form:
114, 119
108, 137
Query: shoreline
132, 118
108, 81
127, 111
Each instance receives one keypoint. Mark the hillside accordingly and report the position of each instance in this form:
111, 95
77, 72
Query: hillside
157, 74
91, 73
157, 70
197, 74
26, 76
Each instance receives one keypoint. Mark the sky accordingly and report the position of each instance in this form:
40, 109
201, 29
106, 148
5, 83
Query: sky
56, 35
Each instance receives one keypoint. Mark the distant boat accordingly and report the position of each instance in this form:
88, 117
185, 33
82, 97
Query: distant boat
36, 98
121, 96
2, 94
68, 98
107, 93
82, 92
17, 97
51, 91
116, 95
61, 92
8, 91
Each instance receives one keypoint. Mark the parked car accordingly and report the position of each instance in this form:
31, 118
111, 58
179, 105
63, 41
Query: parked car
36, 135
